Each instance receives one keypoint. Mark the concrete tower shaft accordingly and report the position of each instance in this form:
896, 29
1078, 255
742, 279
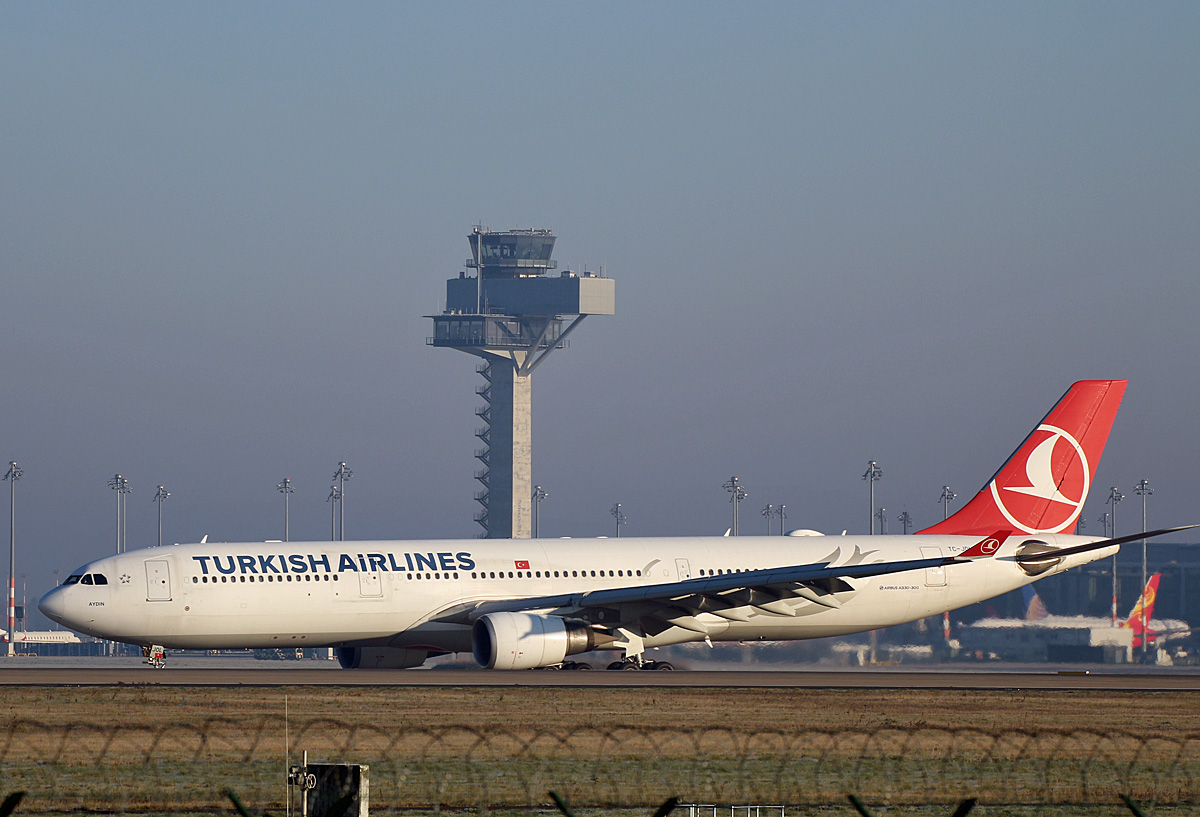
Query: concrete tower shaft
511, 313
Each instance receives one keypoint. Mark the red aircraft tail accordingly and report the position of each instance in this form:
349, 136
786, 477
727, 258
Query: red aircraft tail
1146, 600
1042, 486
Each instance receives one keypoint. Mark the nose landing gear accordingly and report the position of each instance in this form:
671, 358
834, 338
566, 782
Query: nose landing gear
155, 656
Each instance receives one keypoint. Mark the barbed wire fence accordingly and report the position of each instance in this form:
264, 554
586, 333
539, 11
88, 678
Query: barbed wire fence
185, 767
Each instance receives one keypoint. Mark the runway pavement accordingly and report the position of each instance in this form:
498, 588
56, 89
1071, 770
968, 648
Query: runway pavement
216, 672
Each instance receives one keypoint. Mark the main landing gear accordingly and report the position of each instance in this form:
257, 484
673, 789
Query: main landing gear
155, 656
632, 664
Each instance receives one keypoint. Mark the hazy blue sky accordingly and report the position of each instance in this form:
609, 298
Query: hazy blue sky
839, 232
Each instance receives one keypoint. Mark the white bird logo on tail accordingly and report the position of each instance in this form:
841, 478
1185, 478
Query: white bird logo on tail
1043, 483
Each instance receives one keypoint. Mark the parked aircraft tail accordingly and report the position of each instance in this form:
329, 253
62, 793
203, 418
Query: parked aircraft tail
1042, 486
1146, 600
1035, 608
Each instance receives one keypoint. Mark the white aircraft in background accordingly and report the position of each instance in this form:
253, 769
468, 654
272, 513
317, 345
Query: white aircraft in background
524, 603
1038, 617
41, 637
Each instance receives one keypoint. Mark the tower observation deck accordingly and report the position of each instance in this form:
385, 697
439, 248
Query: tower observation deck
512, 313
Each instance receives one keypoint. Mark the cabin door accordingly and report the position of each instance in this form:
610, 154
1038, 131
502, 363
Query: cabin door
934, 576
158, 580
369, 585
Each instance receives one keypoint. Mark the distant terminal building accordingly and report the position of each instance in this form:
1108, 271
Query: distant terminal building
513, 313
1055, 639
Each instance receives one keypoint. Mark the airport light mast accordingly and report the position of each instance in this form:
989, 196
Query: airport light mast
159, 498
1143, 490
121, 485
14, 473
946, 498
1114, 496
539, 493
287, 490
737, 493
335, 496
620, 516
872, 475
511, 313
341, 475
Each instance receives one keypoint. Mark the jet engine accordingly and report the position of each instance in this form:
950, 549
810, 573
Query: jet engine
380, 657
527, 640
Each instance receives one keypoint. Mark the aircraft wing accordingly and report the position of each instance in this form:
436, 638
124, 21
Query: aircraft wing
781, 591
778, 590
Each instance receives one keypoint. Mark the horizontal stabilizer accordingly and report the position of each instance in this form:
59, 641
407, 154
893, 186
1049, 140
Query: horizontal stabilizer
1103, 543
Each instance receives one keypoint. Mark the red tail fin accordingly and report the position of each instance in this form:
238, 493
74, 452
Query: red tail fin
1146, 600
1043, 485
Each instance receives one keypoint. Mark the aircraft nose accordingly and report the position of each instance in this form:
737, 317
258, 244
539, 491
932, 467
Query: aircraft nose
53, 605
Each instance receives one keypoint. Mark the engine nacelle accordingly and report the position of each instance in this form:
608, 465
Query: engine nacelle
380, 657
527, 640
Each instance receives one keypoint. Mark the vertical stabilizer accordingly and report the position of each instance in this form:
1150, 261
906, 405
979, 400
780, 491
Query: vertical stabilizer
1042, 486
1035, 608
1146, 600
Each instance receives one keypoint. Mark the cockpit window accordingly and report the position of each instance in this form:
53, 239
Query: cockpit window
101, 578
72, 580
87, 579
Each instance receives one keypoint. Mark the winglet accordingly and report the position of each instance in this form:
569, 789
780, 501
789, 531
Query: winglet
986, 547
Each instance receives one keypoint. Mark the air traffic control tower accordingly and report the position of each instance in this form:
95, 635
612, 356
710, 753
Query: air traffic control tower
511, 313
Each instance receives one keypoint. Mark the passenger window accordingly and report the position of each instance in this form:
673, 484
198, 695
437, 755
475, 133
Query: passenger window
86, 579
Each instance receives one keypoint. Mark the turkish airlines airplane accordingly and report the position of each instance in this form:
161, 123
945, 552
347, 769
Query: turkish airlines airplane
524, 603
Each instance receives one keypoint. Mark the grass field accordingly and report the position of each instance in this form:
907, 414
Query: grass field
152, 748
543, 708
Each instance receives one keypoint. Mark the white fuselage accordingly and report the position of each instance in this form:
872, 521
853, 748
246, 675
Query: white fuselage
391, 593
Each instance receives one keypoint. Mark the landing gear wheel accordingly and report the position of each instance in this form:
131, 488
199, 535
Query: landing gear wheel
630, 665
616, 665
582, 666
663, 666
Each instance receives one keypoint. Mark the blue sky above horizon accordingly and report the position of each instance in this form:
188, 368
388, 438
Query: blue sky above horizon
839, 232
